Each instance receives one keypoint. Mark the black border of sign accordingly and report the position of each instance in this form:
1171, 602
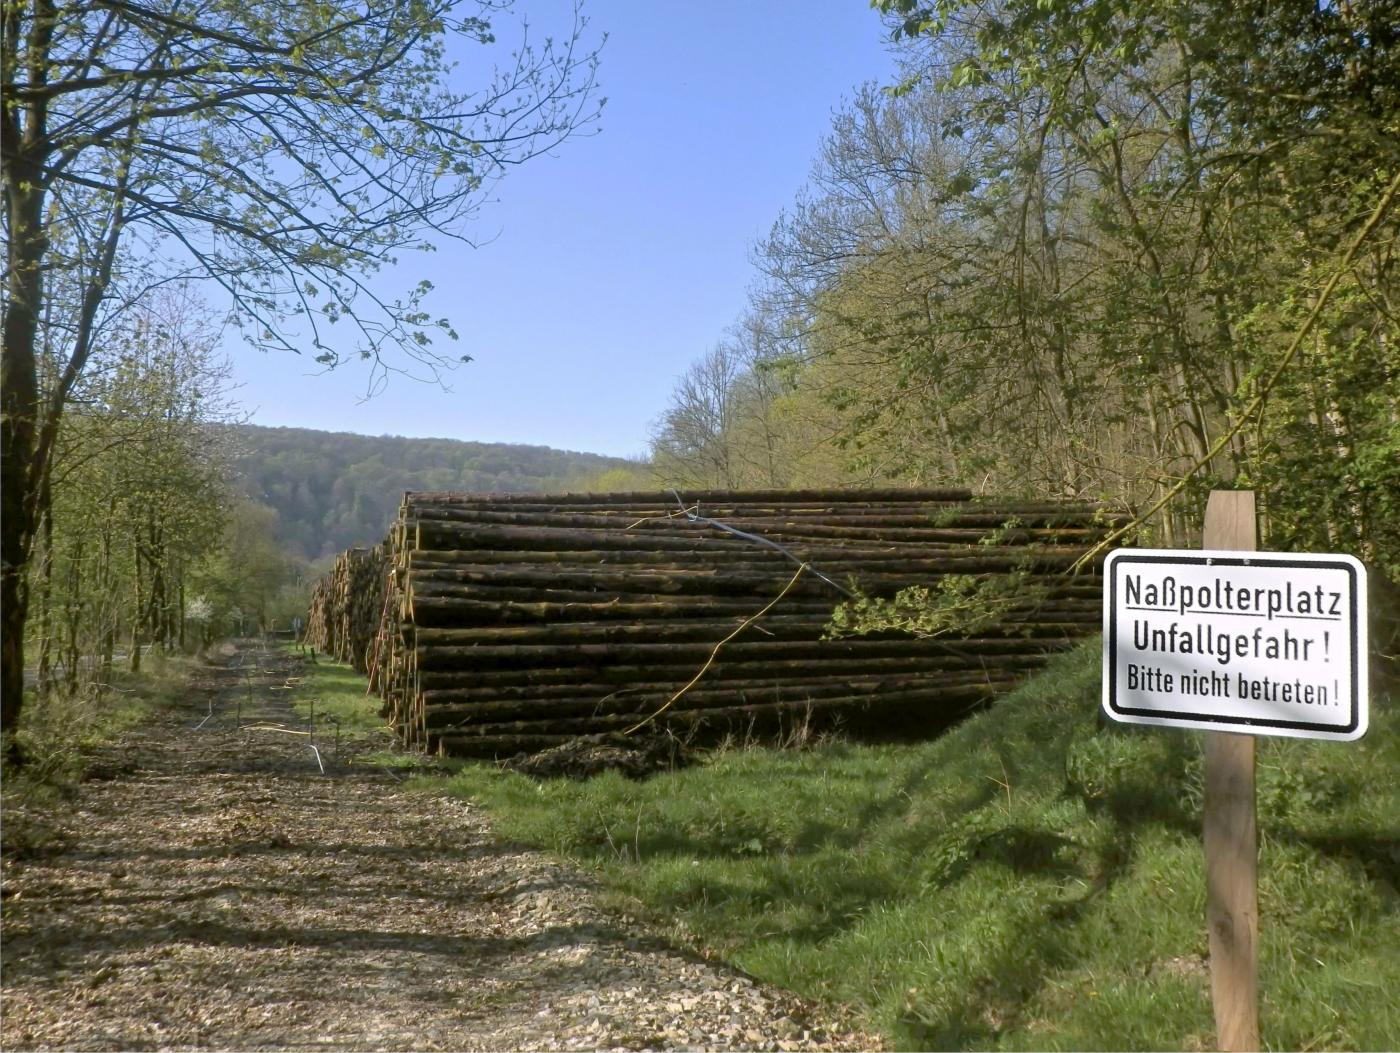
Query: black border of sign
1188, 558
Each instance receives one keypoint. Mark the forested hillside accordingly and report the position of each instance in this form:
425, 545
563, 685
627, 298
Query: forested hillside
333, 490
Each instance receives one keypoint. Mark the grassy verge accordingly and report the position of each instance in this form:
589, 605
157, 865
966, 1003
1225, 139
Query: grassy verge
1032, 880
59, 735
334, 694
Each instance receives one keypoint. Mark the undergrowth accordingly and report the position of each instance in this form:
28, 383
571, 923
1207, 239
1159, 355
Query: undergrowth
58, 736
1031, 880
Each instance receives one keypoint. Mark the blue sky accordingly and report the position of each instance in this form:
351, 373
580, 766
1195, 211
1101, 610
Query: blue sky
615, 263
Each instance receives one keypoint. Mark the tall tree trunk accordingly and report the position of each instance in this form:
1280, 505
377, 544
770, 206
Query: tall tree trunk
13, 614
72, 618
24, 190
137, 612
106, 604
44, 667
18, 402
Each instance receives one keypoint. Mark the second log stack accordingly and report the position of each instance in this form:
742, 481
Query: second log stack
347, 605
517, 622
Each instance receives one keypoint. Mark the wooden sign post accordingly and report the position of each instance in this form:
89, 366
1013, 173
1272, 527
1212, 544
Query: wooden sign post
1231, 836
1236, 643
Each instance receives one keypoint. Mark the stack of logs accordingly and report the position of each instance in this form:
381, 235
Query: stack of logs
347, 606
517, 622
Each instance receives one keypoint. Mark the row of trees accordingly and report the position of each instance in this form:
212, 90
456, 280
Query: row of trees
284, 150
141, 542
1123, 248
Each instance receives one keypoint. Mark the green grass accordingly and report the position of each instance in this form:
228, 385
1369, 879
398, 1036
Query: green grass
61, 730
335, 693
1031, 880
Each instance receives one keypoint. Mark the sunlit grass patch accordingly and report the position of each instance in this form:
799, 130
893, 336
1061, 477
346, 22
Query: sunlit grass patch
1032, 879
331, 697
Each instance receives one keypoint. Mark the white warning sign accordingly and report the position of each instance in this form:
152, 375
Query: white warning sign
1258, 642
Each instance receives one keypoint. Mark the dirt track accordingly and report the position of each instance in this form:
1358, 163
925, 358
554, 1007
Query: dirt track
218, 891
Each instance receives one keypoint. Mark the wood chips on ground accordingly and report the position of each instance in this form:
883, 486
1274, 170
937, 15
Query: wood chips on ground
214, 890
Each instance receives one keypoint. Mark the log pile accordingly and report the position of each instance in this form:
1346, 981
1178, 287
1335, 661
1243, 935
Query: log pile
517, 622
347, 605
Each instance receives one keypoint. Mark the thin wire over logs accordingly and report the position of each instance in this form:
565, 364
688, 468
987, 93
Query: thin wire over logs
715, 653
696, 517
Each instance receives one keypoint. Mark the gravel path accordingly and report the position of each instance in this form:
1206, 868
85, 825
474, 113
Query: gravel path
217, 891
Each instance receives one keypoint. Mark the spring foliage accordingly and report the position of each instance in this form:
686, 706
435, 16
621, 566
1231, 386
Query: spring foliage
285, 151
1120, 249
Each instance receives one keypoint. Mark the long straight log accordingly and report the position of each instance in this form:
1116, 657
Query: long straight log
584, 721
547, 682
853, 503
439, 714
772, 629
470, 605
637, 549
946, 516
483, 585
456, 611
674, 718
574, 604
460, 610
775, 497
952, 703
447, 585
886, 557
668, 509
441, 534
704, 581
932, 526
602, 655
446, 579
497, 593
620, 676
428, 534
753, 561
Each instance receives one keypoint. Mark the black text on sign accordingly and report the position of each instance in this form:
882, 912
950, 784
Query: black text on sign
1262, 643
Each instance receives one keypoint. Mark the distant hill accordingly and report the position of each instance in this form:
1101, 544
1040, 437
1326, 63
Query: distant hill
333, 490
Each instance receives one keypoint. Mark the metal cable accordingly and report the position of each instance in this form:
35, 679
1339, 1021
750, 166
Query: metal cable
696, 517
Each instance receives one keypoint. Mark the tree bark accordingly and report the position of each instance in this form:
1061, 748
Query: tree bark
136, 617
44, 666
19, 386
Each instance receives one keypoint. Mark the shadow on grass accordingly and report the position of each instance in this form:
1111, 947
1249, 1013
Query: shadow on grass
995, 1002
1141, 788
1378, 855
1030, 851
